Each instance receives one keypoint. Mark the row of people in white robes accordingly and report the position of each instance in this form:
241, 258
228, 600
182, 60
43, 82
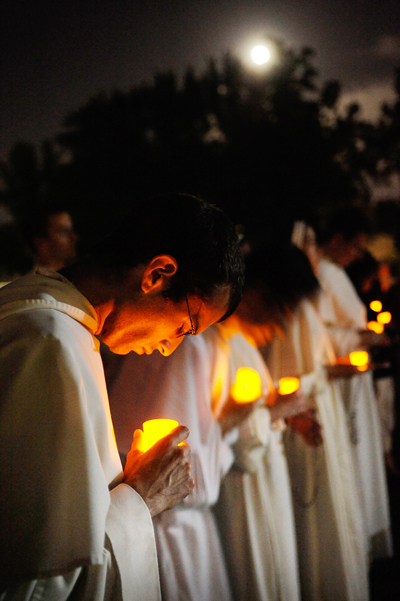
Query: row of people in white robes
255, 508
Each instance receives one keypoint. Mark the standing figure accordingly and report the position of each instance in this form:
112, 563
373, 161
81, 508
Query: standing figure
255, 510
179, 387
50, 234
73, 524
345, 318
333, 558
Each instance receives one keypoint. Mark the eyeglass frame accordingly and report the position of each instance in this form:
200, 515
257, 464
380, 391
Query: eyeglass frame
192, 331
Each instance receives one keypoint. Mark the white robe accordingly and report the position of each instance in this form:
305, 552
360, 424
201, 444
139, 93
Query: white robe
255, 512
192, 565
65, 534
330, 538
344, 315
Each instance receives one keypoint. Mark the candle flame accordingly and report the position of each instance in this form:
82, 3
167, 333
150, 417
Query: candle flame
359, 358
384, 317
154, 430
376, 327
288, 385
375, 306
247, 387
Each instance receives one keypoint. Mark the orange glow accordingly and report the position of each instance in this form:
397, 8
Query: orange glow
376, 327
154, 430
247, 387
288, 385
384, 317
375, 306
363, 367
359, 358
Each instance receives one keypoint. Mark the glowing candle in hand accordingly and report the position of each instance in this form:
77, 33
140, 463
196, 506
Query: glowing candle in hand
376, 327
154, 430
360, 359
375, 306
288, 385
247, 387
384, 317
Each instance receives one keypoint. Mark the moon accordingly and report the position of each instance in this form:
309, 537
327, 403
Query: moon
260, 55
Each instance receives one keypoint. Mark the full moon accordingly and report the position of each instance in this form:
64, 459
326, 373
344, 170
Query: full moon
260, 55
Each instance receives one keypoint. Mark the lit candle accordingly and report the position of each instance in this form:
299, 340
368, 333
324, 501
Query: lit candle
375, 306
288, 385
376, 327
154, 430
247, 387
384, 317
359, 359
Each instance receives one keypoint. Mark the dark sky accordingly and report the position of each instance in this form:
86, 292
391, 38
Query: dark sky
55, 54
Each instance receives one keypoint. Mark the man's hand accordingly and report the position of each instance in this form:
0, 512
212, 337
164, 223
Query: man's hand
287, 405
162, 474
369, 338
341, 370
234, 413
308, 428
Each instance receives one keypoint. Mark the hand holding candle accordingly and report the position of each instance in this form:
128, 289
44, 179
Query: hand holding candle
245, 391
359, 359
154, 430
162, 474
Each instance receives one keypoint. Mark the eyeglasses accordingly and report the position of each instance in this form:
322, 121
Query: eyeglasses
192, 331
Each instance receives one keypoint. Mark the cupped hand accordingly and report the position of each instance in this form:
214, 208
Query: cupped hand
287, 405
161, 475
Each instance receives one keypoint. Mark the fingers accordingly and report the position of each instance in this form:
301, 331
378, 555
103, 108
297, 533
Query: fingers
178, 435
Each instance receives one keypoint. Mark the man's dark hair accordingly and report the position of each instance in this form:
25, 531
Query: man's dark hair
350, 222
362, 269
284, 273
197, 234
35, 223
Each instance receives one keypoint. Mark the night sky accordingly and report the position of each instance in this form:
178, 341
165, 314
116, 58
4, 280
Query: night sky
56, 54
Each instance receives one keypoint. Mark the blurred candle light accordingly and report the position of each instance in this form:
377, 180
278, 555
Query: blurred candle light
247, 387
154, 430
359, 359
288, 385
384, 317
375, 306
376, 327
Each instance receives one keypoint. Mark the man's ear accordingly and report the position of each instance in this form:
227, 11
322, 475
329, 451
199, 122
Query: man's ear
158, 272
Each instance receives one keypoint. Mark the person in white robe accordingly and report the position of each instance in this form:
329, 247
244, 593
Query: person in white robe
73, 525
57, 535
179, 387
333, 555
344, 316
255, 510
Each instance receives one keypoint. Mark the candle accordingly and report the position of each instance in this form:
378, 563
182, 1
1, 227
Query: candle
247, 387
375, 306
376, 327
288, 385
154, 430
359, 358
384, 317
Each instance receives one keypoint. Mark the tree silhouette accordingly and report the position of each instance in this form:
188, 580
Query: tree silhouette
268, 147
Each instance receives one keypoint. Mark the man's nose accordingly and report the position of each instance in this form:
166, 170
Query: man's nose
169, 346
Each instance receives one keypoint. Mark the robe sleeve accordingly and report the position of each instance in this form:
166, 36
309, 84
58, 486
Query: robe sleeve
129, 528
253, 437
